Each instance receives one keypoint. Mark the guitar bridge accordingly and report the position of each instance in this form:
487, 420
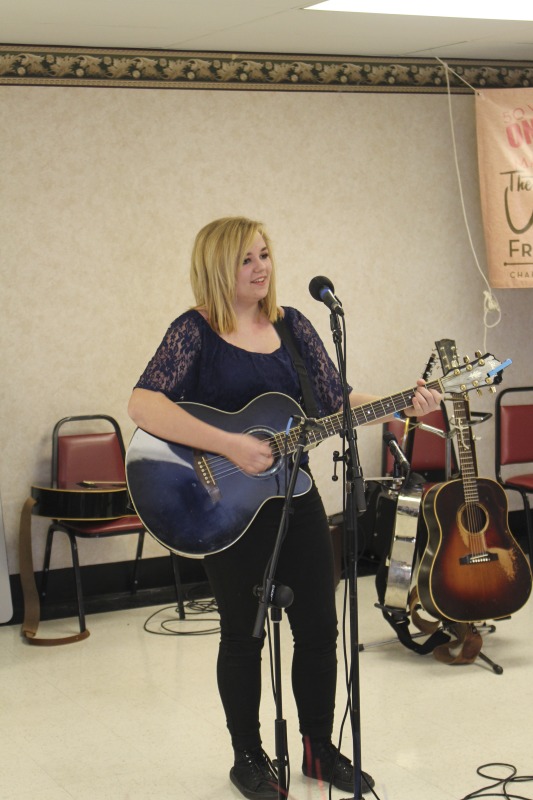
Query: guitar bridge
478, 558
205, 476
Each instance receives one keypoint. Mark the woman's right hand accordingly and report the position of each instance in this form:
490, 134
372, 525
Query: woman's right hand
249, 453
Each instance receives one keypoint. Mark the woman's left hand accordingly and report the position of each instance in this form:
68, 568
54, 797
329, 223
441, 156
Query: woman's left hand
425, 400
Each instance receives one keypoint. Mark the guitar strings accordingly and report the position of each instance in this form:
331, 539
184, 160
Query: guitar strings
473, 512
221, 467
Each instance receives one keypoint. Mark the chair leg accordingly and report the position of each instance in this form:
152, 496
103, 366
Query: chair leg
529, 525
178, 584
75, 565
77, 579
138, 555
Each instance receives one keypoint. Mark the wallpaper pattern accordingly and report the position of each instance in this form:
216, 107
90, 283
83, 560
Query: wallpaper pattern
196, 70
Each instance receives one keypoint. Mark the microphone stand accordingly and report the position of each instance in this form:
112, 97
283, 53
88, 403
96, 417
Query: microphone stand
355, 503
276, 597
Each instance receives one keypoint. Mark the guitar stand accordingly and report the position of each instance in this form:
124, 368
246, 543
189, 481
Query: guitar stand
403, 617
496, 668
487, 629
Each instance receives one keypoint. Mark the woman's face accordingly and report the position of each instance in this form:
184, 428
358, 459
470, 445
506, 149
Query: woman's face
253, 275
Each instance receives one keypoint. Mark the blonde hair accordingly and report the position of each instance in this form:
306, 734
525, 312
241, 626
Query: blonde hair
218, 252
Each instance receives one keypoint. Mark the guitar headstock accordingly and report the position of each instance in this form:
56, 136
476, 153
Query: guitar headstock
481, 372
447, 350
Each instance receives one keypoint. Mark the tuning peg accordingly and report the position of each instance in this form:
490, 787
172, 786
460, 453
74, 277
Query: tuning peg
492, 389
478, 354
479, 392
466, 359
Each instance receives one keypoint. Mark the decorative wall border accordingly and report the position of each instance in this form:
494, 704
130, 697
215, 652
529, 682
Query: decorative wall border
170, 69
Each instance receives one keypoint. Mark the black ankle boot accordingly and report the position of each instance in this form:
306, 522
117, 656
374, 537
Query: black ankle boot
254, 775
323, 761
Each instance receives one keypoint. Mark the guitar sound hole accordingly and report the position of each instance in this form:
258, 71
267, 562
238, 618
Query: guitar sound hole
265, 433
473, 518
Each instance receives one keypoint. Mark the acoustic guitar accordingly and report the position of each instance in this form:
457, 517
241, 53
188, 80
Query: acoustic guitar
472, 568
196, 503
88, 500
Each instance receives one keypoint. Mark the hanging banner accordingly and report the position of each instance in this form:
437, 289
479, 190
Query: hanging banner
504, 121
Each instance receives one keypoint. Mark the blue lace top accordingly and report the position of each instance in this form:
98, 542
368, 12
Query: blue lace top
193, 363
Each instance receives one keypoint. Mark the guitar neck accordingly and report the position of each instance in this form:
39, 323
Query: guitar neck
360, 415
465, 444
461, 411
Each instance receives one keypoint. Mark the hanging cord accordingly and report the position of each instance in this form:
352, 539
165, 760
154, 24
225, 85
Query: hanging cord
490, 302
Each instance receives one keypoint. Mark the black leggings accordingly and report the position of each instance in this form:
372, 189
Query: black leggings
306, 566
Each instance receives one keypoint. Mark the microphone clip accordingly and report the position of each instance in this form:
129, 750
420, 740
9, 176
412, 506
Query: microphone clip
308, 423
274, 594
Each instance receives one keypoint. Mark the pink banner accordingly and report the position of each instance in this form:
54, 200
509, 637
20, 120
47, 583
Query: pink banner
504, 119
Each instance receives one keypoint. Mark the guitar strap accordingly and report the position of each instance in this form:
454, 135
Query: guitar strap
400, 624
287, 338
32, 610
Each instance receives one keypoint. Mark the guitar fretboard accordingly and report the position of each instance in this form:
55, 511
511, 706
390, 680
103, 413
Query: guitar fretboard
465, 448
334, 424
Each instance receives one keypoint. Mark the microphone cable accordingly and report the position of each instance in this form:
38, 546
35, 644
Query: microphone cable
196, 608
501, 783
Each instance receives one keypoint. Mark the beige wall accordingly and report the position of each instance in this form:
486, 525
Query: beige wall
104, 189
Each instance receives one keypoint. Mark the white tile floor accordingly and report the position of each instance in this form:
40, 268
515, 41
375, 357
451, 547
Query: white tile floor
125, 715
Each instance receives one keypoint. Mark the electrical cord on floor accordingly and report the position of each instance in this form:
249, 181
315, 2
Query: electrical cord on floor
501, 783
195, 611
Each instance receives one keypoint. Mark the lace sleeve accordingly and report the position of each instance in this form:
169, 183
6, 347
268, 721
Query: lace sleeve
173, 367
324, 376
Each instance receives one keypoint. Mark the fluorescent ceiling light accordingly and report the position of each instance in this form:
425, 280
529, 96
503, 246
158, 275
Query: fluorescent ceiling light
469, 9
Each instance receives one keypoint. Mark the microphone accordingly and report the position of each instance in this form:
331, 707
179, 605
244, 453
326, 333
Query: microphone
397, 452
322, 289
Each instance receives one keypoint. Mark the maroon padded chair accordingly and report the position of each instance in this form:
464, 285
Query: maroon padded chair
514, 447
81, 459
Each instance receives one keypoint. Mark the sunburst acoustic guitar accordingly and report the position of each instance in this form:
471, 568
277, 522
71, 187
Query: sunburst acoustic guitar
472, 568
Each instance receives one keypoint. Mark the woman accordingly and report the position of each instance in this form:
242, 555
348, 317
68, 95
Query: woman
224, 353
